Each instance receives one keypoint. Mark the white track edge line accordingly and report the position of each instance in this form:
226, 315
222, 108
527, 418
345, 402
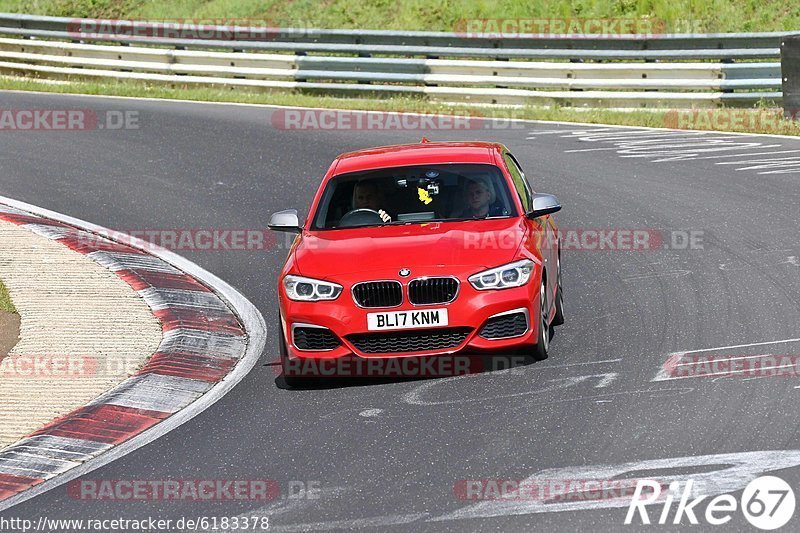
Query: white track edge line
255, 328
528, 120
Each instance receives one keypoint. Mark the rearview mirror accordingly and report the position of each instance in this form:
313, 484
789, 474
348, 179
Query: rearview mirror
285, 221
543, 204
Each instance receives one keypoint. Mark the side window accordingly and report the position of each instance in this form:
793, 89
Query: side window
518, 177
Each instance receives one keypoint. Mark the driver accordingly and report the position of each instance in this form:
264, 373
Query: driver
368, 195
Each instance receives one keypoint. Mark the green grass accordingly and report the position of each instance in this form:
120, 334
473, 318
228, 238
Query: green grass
5, 300
677, 15
655, 118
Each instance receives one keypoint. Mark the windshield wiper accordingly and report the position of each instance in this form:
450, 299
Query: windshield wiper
408, 222
466, 219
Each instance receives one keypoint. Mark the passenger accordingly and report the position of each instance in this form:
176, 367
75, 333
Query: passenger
481, 199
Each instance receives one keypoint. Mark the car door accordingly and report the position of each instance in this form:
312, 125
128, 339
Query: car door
542, 228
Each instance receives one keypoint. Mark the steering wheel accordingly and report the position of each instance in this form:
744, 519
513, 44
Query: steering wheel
360, 217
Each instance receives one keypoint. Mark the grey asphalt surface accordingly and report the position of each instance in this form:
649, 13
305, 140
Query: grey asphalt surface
388, 454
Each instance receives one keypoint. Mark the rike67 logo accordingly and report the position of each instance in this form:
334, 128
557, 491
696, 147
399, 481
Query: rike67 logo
767, 503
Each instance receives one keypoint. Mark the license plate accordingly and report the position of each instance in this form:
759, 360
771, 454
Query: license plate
422, 318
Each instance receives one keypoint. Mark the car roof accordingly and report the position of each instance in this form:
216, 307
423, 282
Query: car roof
423, 153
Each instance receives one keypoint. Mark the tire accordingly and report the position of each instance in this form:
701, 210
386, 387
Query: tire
539, 352
558, 317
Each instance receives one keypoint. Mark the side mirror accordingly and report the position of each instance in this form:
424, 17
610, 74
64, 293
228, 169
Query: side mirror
285, 221
543, 204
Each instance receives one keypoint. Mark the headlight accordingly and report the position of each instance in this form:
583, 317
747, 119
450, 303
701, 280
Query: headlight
310, 290
503, 277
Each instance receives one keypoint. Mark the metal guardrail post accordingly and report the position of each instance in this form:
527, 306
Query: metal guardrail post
790, 74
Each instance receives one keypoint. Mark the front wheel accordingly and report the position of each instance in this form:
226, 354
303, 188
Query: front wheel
558, 317
543, 338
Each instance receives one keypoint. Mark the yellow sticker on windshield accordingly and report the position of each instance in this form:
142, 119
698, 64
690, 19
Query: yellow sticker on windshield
424, 196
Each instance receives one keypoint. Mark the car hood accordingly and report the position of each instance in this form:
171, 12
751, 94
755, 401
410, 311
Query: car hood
387, 249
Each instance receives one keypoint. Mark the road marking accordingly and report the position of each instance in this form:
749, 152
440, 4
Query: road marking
410, 396
674, 359
733, 472
561, 131
604, 380
684, 390
565, 365
581, 150
414, 397
766, 160
623, 142
767, 343
791, 260
715, 474
737, 358
663, 145
757, 153
789, 171
721, 374
651, 275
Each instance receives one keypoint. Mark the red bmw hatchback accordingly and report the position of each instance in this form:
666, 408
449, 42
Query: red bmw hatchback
420, 250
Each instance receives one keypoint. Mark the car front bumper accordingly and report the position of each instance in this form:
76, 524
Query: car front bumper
470, 311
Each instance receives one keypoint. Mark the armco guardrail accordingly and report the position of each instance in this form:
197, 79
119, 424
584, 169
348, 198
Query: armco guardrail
624, 71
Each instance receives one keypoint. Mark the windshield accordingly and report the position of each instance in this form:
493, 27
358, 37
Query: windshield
402, 195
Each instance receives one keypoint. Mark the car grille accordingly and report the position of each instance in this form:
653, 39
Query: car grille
378, 294
314, 339
500, 327
432, 291
409, 341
